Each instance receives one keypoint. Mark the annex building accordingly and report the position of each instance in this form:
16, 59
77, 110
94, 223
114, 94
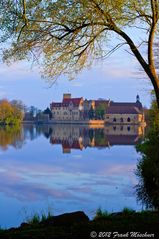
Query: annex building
125, 112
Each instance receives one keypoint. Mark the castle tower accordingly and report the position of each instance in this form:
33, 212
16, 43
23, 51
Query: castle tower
137, 98
66, 96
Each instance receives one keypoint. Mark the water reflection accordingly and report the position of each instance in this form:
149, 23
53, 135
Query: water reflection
148, 171
17, 136
11, 136
72, 136
80, 137
41, 171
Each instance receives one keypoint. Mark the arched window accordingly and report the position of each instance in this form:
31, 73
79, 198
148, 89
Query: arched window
121, 128
114, 128
128, 119
114, 120
128, 128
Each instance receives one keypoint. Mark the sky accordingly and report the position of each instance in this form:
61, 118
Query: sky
118, 78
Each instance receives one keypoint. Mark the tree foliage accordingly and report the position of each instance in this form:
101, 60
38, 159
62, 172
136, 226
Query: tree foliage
148, 165
100, 111
10, 113
66, 35
148, 170
47, 111
153, 114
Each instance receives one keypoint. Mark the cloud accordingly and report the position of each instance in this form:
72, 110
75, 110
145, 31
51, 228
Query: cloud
77, 84
17, 71
36, 182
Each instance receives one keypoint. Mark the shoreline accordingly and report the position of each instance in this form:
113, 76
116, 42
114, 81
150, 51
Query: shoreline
125, 224
81, 122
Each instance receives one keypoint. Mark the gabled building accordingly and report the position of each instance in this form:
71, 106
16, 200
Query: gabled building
68, 109
125, 112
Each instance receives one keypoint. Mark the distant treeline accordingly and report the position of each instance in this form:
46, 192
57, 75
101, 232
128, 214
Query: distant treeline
15, 111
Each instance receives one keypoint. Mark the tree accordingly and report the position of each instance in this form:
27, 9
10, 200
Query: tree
153, 114
9, 114
148, 165
100, 111
6, 112
91, 113
19, 104
148, 170
66, 35
33, 111
47, 111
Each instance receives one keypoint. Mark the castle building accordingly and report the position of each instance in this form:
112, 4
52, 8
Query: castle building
76, 109
125, 112
68, 109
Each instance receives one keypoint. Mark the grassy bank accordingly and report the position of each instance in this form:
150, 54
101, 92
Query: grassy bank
125, 224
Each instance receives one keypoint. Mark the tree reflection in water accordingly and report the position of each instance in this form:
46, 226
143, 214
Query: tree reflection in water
11, 135
17, 135
148, 170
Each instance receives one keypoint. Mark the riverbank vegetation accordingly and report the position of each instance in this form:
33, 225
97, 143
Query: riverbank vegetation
10, 113
147, 171
77, 225
153, 114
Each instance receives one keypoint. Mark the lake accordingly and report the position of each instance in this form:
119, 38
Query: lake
64, 168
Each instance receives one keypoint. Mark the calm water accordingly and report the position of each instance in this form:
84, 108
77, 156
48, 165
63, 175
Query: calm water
66, 168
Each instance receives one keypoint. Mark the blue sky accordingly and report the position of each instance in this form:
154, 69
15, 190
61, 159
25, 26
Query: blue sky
117, 78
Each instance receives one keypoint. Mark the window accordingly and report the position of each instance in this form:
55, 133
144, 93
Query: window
128, 128
121, 120
128, 119
114, 128
114, 120
121, 128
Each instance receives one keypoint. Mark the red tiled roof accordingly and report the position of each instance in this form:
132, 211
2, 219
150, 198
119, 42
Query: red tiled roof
65, 143
74, 145
56, 104
126, 104
66, 102
75, 101
122, 110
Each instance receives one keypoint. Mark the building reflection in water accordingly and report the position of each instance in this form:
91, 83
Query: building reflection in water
72, 136
81, 137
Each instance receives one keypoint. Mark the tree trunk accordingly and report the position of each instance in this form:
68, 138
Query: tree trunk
149, 69
155, 83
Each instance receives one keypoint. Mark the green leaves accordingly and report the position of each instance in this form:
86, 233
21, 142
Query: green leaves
10, 113
64, 36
